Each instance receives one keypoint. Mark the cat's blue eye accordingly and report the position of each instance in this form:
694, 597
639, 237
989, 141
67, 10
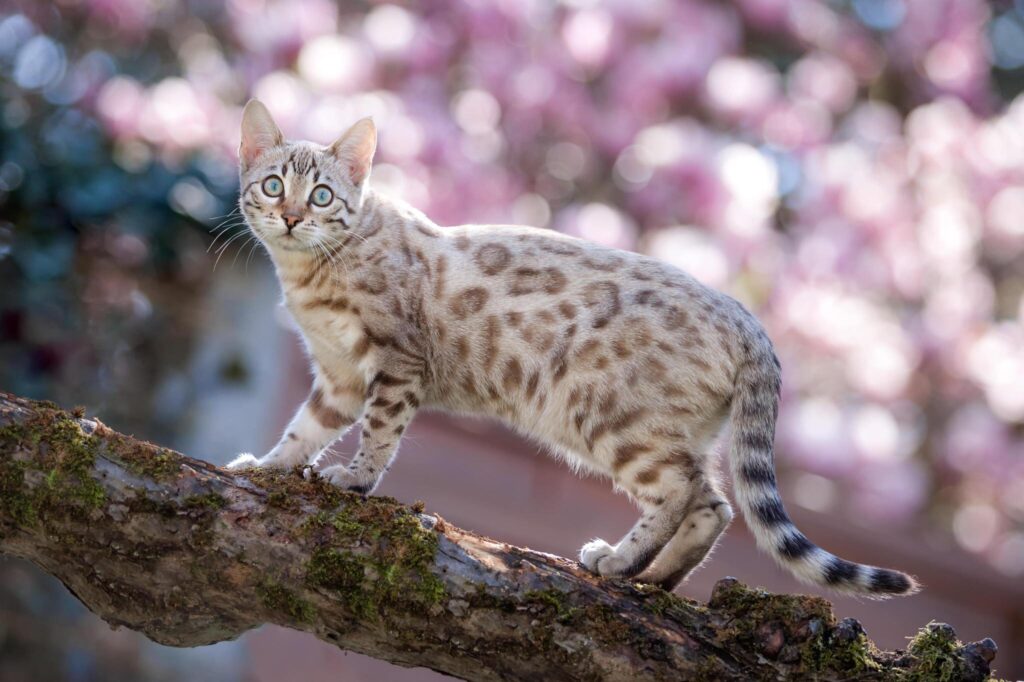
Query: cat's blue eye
322, 195
273, 186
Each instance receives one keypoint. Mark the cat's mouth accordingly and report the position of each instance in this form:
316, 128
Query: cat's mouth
289, 241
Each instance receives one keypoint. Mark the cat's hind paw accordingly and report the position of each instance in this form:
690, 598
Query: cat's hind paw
245, 460
601, 558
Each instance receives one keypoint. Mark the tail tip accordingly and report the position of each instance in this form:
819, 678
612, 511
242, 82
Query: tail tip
895, 583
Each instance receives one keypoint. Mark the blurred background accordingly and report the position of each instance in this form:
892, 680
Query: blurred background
852, 170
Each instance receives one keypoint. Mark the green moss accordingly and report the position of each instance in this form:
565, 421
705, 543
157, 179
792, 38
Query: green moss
312, 523
555, 615
935, 654
280, 599
61, 467
353, 526
802, 618
556, 601
826, 652
662, 603
146, 461
14, 502
375, 554
344, 573
335, 569
280, 500
286, 488
749, 608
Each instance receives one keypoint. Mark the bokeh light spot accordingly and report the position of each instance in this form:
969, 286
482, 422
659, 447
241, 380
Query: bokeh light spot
881, 15
1007, 36
476, 111
40, 62
389, 28
975, 526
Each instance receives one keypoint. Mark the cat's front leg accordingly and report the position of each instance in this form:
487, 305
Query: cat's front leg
323, 418
392, 400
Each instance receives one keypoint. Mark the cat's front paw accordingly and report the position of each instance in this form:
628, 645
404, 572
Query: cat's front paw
245, 460
341, 476
599, 557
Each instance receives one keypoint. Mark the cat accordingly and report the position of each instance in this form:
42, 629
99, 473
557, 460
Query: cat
623, 365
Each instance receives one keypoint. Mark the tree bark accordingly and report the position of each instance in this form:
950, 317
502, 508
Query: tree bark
190, 554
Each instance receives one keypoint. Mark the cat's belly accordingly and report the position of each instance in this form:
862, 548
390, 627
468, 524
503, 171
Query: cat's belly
539, 413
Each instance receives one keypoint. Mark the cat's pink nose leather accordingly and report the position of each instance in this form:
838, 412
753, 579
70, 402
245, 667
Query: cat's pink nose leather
291, 220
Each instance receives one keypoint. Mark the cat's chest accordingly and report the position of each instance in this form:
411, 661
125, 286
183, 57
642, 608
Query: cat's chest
328, 322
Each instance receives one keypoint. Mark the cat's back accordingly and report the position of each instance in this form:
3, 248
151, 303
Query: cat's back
528, 264
524, 317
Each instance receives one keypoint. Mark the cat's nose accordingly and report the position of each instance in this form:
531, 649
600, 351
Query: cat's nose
291, 220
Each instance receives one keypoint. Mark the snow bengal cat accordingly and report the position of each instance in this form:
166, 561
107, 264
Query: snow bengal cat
622, 365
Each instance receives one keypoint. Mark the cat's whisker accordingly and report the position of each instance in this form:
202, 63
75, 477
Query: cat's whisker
322, 257
337, 248
224, 231
329, 261
252, 250
233, 213
227, 223
230, 218
227, 228
222, 249
354, 234
317, 255
241, 248
235, 236
234, 209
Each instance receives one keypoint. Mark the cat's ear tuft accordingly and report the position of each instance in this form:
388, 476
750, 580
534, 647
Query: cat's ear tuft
355, 148
259, 133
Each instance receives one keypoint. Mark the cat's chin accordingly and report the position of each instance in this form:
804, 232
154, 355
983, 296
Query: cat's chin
290, 244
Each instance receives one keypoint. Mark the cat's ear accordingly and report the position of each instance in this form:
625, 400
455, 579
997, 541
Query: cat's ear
355, 149
259, 133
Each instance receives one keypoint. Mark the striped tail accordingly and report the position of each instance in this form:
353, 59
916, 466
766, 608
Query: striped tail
755, 409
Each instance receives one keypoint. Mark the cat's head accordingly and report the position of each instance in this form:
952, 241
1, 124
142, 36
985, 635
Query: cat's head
300, 196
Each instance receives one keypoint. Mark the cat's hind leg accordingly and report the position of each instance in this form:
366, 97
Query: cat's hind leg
661, 485
706, 519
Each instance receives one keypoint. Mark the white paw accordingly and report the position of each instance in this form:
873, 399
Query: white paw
599, 557
341, 476
245, 460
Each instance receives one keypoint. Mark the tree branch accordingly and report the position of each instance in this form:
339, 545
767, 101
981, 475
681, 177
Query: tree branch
190, 554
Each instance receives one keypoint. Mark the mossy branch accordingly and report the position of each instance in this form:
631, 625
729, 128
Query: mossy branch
190, 554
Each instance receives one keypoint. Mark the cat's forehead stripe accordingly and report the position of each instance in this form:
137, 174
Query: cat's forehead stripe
302, 161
